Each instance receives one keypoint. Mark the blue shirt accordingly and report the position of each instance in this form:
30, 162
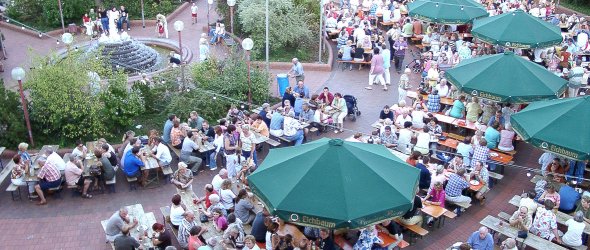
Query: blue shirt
424, 176
264, 118
132, 163
297, 69
276, 121
493, 119
477, 243
492, 137
568, 198
167, 128
303, 92
298, 106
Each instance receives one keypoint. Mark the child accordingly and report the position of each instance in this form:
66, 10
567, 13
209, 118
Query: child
160, 29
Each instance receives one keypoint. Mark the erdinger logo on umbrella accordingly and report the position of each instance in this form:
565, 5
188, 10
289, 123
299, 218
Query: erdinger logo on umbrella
474, 92
508, 44
294, 217
544, 145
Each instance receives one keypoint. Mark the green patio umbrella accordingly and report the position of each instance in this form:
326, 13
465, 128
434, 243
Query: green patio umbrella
335, 184
516, 29
447, 11
506, 77
558, 126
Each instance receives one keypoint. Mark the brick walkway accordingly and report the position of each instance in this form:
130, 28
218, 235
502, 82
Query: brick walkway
74, 223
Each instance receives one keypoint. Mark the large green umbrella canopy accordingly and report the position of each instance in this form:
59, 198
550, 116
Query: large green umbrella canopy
516, 29
506, 78
559, 126
335, 184
447, 11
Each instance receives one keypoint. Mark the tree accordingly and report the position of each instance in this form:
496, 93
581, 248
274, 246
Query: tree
290, 25
66, 100
12, 126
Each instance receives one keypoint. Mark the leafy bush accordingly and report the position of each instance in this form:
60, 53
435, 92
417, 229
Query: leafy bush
12, 122
44, 14
290, 25
228, 78
66, 100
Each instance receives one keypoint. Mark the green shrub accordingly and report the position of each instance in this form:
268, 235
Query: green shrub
12, 121
67, 103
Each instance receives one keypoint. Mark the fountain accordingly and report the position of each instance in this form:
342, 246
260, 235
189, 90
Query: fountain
124, 52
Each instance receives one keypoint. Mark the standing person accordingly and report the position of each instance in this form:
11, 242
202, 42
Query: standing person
386, 54
203, 50
377, 70
164, 23
400, 47
575, 79
168, 128
104, 20
339, 104
160, 29
123, 18
194, 10
297, 70
87, 23
404, 84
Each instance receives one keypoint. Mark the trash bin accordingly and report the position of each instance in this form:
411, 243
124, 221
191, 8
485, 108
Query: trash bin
282, 83
73, 29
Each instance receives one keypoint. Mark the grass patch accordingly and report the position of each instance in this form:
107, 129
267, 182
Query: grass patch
582, 8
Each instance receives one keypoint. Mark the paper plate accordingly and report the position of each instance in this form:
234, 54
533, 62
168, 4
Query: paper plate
474, 182
494, 154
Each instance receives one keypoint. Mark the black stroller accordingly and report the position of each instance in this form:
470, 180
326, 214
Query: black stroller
351, 105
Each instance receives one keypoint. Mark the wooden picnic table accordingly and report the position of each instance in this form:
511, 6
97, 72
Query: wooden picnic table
31, 176
434, 211
501, 158
561, 216
531, 240
443, 100
188, 199
46, 147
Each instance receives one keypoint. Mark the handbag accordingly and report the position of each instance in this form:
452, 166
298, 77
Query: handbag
203, 218
94, 170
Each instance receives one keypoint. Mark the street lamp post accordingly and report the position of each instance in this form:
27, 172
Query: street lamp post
209, 2
179, 26
142, 16
231, 4
18, 74
247, 45
61, 15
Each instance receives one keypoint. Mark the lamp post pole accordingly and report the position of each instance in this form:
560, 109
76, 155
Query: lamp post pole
267, 50
231, 4
142, 16
247, 45
179, 26
209, 2
61, 15
18, 74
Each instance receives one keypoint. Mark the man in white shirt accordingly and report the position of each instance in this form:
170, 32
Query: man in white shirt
218, 179
162, 153
194, 10
528, 202
401, 119
56, 160
292, 130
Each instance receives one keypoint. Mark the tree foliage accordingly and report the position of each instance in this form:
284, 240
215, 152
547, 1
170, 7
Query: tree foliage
290, 25
44, 14
65, 102
227, 78
12, 122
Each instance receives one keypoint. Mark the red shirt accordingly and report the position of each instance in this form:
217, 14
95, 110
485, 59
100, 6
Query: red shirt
86, 19
326, 99
207, 201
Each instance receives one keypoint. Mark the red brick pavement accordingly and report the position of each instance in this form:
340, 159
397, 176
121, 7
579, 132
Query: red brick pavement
74, 223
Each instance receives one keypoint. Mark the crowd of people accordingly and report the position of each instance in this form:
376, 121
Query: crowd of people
100, 21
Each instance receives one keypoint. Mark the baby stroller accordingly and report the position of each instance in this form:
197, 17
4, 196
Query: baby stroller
351, 105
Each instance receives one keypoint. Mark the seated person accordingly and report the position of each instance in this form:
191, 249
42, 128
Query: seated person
79, 151
292, 130
177, 211
436, 197
481, 239
161, 237
183, 178
134, 161
568, 198
575, 229
49, 177
276, 122
545, 222
388, 138
74, 176
126, 241
393, 230
401, 119
56, 160
161, 153
385, 114
551, 194
118, 223
326, 242
413, 217
174, 59
259, 126
425, 175
584, 207
521, 219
